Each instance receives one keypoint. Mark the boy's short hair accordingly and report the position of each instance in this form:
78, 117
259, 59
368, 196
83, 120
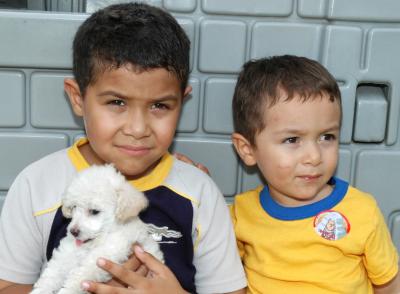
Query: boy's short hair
263, 82
129, 34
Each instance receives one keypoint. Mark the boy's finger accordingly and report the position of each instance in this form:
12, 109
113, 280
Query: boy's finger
100, 288
142, 270
118, 271
203, 168
133, 263
184, 158
152, 263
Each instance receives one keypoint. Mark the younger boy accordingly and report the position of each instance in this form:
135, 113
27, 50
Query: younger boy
305, 231
131, 67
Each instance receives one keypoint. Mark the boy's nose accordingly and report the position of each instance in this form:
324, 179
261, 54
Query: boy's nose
136, 125
313, 154
74, 232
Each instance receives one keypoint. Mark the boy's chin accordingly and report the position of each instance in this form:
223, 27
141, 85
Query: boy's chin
136, 173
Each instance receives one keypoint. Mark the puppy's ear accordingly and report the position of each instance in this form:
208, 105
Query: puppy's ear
130, 202
66, 210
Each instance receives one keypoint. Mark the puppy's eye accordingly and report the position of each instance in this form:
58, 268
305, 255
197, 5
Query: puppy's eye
94, 211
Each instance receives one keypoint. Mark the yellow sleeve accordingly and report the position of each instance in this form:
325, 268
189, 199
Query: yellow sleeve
234, 220
381, 257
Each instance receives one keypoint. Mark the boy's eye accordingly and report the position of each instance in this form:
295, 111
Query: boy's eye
94, 211
291, 140
159, 105
117, 102
328, 137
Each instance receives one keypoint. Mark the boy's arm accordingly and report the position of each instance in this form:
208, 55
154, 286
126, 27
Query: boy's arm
162, 280
393, 287
159, 280
12, 288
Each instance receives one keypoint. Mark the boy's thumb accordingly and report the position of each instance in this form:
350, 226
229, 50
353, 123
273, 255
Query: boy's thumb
152, 263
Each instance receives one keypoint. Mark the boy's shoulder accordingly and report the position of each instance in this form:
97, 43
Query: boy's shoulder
252, 195
41, 184
189, 181
51, 164
363, 201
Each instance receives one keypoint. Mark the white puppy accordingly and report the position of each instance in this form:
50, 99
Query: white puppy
104, 208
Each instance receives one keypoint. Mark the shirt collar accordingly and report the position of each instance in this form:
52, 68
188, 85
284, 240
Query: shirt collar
152, 180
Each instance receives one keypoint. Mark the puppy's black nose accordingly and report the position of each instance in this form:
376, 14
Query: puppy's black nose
75, 232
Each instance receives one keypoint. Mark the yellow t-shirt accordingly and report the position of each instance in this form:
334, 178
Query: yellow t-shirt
338, 245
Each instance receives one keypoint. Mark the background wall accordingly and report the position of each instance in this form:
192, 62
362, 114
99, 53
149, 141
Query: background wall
358, 41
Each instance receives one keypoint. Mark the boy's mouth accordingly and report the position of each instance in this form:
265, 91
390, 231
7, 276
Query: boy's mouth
134, 150
309, 177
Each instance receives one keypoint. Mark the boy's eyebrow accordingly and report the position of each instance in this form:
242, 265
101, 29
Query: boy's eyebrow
120, 95
335, 127
165, 98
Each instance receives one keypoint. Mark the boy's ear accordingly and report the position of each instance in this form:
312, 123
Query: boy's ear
187, 91
244, 149
71, 87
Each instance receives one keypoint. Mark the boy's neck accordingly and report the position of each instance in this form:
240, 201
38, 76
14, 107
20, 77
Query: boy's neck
289, 201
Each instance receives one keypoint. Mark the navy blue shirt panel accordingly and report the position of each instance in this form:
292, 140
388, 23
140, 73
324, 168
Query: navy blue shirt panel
169, 213
167, 209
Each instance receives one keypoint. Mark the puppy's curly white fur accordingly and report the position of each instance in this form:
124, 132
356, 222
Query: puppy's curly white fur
104, 208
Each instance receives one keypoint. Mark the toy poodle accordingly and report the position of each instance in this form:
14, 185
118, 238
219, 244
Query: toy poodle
104, 209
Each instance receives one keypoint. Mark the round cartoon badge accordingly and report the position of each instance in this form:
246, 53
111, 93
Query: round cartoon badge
331, 225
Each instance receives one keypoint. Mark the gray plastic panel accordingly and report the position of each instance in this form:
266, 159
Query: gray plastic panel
377, 171
343, 66
372, 10
256, 7
180, 5
343, 169
188, 26
251, 177
381, 44
348, 107
218, 101
94, 5
312, 8
371, 112
189, 119
222, 46
285, 38
31, 47
47, 92
223, 170
36, 4
12, 99
2, 198
66, 5
13, 4
24, 148
394, 223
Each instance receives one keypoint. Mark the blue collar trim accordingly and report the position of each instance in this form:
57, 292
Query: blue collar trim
278, 211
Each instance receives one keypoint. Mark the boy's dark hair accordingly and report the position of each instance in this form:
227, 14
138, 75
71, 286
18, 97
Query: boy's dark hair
132, 33
262, 82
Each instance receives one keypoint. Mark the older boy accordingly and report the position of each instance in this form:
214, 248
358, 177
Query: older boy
305, 231
131, 67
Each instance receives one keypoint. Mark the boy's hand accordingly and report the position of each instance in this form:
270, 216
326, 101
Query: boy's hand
159, 279
132, 264
186, 159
